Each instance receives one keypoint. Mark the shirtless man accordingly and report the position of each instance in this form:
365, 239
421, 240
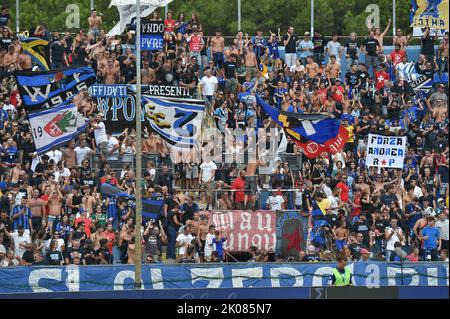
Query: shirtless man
443, 54
251, 178
70, 156
88, 200
362, 184
251, 63
10, 58
94, 22
239, 42
148, 74
333, 69
380, 35
131, 250
400, 39
379, 184
17, 173
217, 48
341, 234
97, 236
37, 207
24, 61
203, 229
55, 207
312, 68
112, 73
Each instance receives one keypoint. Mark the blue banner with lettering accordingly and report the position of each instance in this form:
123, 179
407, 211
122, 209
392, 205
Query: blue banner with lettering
152, 35
239, 275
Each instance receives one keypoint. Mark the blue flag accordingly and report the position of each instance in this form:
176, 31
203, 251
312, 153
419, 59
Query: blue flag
44, 90
319, 128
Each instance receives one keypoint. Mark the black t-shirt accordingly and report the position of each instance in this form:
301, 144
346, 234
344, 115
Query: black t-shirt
290, 47
230, 69
371, 46
380, 225
352, 48
89, 259
306, 196
71, 250
28, 257
4, 19
57, 52
53, 258
28, 149
5, 42
427, 46
77, 235
363, 228
170, 221
311, 258
363, 133
319, 44
352, 78
363, 75
355, 249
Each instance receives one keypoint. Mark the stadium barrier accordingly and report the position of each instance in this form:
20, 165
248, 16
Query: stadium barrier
72, 278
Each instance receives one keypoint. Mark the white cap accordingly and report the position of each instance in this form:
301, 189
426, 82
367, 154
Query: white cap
440, 200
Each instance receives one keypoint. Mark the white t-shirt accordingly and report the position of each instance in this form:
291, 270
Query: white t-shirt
82, 153
275, 202
56, 155
208, 85
18, 240
209, 245
185, 239
58, 248
100, 134
443, 228
207, 169
390, 243
64, 173
112, 142
418, 191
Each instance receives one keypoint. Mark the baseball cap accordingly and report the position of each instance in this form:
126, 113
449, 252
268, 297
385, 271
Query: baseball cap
311, 248
364, 251
440, 200
307, 33
337, 79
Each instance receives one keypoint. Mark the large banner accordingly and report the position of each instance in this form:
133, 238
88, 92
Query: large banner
245, 228
152, 35
109, 90
385, 151
236, 275
429, 13
43, 90
56, 126
290, 235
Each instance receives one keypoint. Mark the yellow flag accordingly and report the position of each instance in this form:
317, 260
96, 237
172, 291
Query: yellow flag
431, 13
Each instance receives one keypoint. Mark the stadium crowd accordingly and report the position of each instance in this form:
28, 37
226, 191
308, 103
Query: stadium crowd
51, 208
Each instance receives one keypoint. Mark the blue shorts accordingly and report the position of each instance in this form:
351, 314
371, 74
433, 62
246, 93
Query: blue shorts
340, 244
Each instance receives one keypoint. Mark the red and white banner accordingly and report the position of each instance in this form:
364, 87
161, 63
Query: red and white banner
245, 228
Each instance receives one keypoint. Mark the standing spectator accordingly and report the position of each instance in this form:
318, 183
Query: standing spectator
334, 48
259, 45
54, 257
101, 139
57, 49
95, 23
21, 216
275, 201
319, 47
207, 175
209, 85
305, 47
393, 234
217, 50
352, 50
290, 44
427, 47
196, 45
5, 17
443, 227
371, 47
21, 239
431, 239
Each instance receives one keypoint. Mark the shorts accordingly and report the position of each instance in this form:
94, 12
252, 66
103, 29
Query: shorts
103, 148
340, 244
192, 172
51, 219
209, 186
250, 185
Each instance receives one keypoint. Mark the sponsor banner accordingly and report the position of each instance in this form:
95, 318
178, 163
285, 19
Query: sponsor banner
429, 13
152, 35
44, 90
56, 126
245, 228
385, 151
236, 275
290, 235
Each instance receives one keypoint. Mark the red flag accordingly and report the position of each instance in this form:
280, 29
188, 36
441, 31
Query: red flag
313, 149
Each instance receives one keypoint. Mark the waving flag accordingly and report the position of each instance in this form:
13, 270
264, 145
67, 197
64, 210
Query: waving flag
38, 50
429, 13
44, 90
310, 149
178, 123
318, 128
56, 126
420, 84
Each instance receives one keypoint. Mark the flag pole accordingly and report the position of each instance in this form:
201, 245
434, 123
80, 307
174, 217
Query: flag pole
17, 16
138, 237
239, 14
394, 15
312, 18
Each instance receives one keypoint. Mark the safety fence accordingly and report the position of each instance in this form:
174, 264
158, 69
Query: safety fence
204, 276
